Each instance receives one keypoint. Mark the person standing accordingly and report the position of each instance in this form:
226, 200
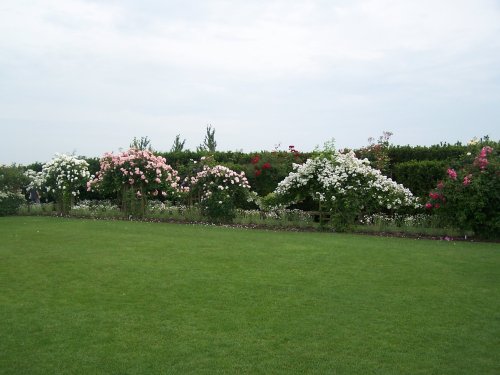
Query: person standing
34, 197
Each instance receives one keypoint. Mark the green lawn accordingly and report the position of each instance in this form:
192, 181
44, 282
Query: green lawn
117, 297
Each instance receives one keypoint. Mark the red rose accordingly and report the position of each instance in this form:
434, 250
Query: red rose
266, 166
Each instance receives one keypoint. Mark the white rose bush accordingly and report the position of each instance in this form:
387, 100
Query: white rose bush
12, 180
136, 176
219, 188
64, 177
345, 186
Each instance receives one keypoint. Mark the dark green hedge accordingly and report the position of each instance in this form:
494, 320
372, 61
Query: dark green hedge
443, 151
420, 176
403, 154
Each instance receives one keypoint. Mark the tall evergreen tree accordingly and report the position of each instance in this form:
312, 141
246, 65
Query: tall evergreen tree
144, 143
209, 144
178, 145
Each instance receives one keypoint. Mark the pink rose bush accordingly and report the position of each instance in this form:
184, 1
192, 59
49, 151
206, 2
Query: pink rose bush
469, 198
136, 174
481, 161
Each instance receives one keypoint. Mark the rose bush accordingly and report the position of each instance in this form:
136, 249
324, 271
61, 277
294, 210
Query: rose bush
63, 177
136, 176
469, 198
219, 189
345, 186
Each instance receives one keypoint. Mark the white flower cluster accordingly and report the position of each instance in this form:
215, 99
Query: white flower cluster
210, 179
64, 173
6, 195
278, 214
96, 206
166, 207
396, 220
343, 176
474, 141
35, 179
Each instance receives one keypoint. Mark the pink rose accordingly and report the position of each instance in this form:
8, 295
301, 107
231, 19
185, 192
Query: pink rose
452, 174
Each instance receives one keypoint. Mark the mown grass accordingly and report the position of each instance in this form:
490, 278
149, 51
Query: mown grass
117, 297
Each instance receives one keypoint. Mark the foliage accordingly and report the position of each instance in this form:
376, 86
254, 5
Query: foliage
417, 224
42, 209
209, 144
345, 186
12, 178
416, 167
178, 145
10, 202
136, 175
179, 213
469, 197
442, 151
36, 166
277, 218
64, 177
263, 174
219, 189
399, 167
143, 143
280, 162
377, 152
96, 209
266, 169
12, 183
420, 175
421, 219
94, 167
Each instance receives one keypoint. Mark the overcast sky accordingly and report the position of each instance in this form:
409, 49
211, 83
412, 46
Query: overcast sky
85, 77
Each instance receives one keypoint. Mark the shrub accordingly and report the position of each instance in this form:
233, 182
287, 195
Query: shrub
10, 202
219, 189
12, 178
280, 163
377, 153
443, 151
136, 176
469, 197
401, 154
63, 177
266, 169
420, 176
345, 186
12, 182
